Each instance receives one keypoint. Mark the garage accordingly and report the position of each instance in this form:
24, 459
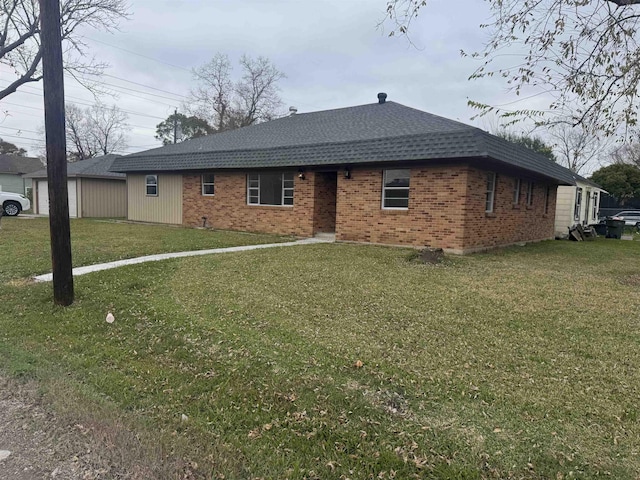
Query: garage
43, 198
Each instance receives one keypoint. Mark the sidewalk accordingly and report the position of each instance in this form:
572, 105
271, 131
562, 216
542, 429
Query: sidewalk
48, 277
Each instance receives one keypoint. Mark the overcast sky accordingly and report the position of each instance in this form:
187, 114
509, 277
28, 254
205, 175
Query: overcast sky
333, 53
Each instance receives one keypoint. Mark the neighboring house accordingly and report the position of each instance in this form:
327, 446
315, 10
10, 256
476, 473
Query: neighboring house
379, 173
93, 190
12, 168
577, 204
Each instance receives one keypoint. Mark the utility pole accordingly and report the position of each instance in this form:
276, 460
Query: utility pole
175, 126
53, 84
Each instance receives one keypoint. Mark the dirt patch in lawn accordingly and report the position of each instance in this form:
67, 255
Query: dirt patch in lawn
45, 443
631, 280
40, 445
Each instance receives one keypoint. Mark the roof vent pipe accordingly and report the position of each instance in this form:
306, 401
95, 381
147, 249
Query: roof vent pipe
293, 110
382, 97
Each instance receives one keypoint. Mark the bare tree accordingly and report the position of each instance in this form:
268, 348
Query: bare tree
97, 130
627, 153
21, 48
576, 147
229, 104
584, 53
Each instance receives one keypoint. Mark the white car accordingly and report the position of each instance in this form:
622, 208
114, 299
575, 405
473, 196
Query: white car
631, 217
14, 203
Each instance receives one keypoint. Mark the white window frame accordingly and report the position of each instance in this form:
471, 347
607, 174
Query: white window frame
208, 184
384, 189
530, 187
547, 200
147, 185
595, 209
490, 194
577, 207
286, 193
516, 191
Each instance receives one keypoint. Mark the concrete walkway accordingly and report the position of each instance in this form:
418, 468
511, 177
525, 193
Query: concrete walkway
48, 277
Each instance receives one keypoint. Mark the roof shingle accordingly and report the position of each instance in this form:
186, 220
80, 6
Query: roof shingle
386, 132
91, 167
13, 164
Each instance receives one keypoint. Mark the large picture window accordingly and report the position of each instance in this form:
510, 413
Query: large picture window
270, 189
491, 192
395, 191
208, 187
151, 183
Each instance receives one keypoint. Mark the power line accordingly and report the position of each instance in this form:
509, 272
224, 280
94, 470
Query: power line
40, 110
91, 105
20, 129
139, 54
143, 85
23, 138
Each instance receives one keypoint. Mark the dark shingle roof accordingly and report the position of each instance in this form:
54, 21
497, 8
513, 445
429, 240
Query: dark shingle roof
587, 181
91, 167
13, 164
372, 133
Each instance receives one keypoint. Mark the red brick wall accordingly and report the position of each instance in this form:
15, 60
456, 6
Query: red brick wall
325, 202
434, 218
446, 210
508, 223
228, 208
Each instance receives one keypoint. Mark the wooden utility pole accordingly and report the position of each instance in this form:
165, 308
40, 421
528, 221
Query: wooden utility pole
53, 84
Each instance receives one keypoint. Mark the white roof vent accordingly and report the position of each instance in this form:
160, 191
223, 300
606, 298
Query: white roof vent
293, 110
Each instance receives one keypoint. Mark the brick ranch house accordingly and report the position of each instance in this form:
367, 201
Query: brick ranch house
379, 173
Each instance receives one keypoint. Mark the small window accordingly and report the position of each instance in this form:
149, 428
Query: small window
516, 191
529, 194
151, 182
578, 206
491, 192
547, 199
208, 184
395, 191
270, 189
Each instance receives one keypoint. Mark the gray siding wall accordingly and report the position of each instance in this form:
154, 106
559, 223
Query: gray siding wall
13, 183
164, 208
103, 198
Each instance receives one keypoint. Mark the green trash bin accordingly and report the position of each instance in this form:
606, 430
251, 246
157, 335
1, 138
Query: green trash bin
615, 228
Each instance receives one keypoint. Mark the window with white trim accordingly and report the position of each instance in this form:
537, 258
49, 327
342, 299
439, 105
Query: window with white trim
594, 214
547, 199
491, 192
208, 187
529, 194
578, 205
270, 189
395, 189
516, 191
151, 185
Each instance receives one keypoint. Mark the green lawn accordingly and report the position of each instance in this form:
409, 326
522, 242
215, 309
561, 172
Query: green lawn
519, 363
25, 250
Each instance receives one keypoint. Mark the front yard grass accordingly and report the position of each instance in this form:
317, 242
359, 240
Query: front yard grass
25, 249
518, 363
